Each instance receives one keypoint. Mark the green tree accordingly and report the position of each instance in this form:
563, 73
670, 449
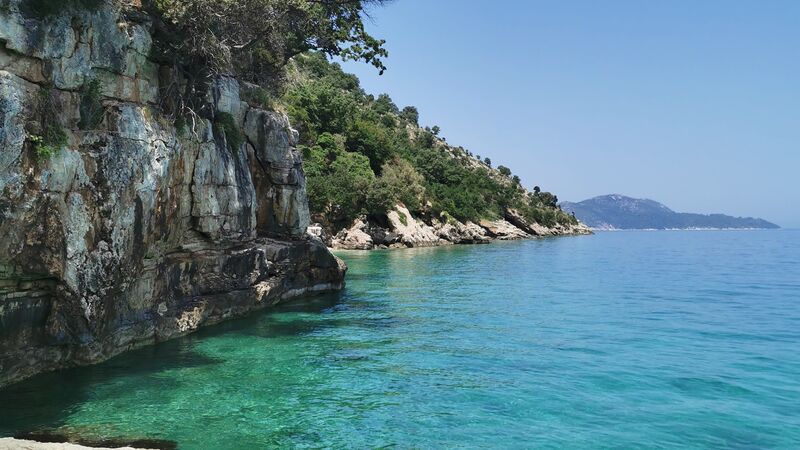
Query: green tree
505, 171
318, 106
405, 183
248, 35
372, 140
410, 114
385, 105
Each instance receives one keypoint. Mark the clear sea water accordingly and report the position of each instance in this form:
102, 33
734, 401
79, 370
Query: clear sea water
678, 340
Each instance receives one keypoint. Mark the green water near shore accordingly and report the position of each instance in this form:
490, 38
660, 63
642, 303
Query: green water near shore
619, 340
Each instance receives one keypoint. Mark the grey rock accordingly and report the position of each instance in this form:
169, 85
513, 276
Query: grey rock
357, 237
134, 233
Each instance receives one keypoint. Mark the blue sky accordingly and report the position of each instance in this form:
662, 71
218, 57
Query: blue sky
692, 103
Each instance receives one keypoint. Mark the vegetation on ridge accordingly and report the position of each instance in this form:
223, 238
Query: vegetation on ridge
363, 155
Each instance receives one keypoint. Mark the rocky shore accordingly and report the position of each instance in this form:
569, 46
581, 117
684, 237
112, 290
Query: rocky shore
119, 228
399, 229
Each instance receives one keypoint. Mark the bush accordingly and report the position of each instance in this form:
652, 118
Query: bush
225, 125
91, 107
318, 107
52, 135
372, 140
339, 183
404, 182
410, 114
381, 197
258, 96
403, 219
43, 150
384, 105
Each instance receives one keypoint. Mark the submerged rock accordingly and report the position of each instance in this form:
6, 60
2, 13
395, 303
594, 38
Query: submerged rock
134, 231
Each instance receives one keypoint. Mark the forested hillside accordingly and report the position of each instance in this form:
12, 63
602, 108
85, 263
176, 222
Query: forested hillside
363, 155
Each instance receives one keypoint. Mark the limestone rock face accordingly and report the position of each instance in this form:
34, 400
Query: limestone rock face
462, 233
357, 237
134, 232
412, 232
503, 230
535, 229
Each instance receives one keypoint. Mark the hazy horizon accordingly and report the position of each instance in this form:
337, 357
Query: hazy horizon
691, 105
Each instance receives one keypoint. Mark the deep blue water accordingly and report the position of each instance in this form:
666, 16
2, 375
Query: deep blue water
679, 340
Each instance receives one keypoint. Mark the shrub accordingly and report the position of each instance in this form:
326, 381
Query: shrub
384, 105
381, 197
43, 150
257, 96
91, 107
403, 219
52, 136
410, 114
319, 106
404, 182
226, 125
372, 140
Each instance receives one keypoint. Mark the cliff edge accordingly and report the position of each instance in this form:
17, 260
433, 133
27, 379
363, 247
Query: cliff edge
119, 228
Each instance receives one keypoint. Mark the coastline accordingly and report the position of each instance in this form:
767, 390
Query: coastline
399, 229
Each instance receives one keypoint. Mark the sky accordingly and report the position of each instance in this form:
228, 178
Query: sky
695, 104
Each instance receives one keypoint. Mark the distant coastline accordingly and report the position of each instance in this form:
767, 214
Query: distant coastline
618, 212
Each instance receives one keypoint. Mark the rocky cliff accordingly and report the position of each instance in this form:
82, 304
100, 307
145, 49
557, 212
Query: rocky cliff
126, 230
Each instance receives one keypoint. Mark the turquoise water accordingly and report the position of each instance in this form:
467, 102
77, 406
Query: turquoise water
620, 340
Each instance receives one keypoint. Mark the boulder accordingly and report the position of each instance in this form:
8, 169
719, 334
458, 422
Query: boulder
411, 232
502, 230
354, 238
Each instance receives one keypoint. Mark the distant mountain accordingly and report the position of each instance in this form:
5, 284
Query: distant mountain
617, 212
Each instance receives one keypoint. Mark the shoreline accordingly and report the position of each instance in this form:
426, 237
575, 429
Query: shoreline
459, 244
400, 229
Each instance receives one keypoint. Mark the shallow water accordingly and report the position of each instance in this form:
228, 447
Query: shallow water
618, 340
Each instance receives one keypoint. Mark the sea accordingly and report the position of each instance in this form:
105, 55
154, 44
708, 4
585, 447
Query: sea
619, 340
